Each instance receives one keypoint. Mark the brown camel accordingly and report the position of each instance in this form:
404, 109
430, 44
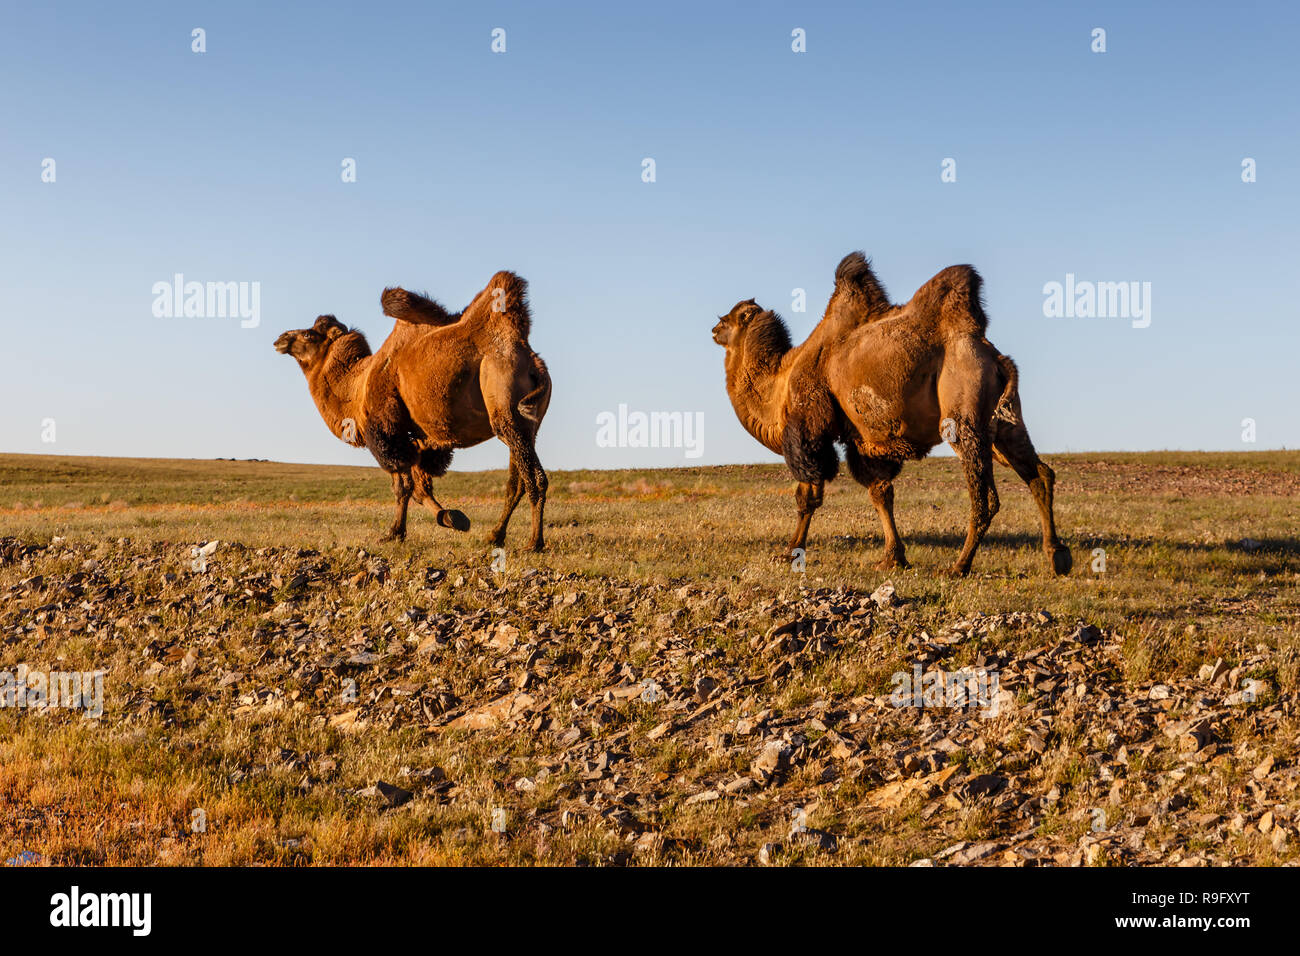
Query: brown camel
439, 382
889, 382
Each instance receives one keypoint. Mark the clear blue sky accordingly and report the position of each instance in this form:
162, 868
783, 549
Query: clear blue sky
225, 166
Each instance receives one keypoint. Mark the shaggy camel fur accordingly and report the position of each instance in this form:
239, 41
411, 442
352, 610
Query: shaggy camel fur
889, 382
439, 382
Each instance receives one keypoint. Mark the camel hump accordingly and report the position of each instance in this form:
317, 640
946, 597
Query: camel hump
854, 277
405, 306
507, 294
955, 296
859, 296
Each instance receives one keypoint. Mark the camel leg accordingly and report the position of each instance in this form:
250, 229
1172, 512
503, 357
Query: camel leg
403, 487
423, 481
975, 446
514, 492
807, 498
517, 433
537, 497
881, 493
1012, 447
877, 475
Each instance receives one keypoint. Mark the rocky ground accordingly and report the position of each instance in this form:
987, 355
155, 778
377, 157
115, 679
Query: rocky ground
300, 705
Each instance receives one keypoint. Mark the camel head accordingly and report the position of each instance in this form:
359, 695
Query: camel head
309, 346
731, 327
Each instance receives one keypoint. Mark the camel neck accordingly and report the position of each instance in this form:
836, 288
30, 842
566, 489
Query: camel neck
334, 388
757, 391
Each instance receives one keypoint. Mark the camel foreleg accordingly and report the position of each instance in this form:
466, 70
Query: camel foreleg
808, 497
877, 476
403, 487
434, 462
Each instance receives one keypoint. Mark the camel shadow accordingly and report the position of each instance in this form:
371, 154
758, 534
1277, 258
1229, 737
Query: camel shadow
1258, 547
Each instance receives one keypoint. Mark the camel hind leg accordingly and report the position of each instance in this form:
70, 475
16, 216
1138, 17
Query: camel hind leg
536, 496
514, 494
974, 445
518, 435
1012, 447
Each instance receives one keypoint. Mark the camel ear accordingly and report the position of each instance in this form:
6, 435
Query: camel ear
328, 326
746, 311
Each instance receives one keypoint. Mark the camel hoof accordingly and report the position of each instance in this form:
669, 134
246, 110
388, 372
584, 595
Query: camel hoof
891, 562
393, 536
1062, 561
496, 539
956, 571
538, 547
456, 520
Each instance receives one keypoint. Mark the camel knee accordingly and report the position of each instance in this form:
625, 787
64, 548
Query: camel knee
1046, 475
807, 498
881, 494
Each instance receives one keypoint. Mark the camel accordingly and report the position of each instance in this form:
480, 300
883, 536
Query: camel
439, 382
888, 382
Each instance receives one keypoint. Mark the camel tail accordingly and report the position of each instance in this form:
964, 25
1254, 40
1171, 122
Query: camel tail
533, 405
405, 306
1008, 407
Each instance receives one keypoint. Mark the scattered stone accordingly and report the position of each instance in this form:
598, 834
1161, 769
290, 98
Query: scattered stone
1086, 634
772, 761
885, 596
707, 796
393, 796
817, 839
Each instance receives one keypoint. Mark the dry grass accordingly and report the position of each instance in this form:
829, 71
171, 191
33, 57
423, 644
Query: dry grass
672, 578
